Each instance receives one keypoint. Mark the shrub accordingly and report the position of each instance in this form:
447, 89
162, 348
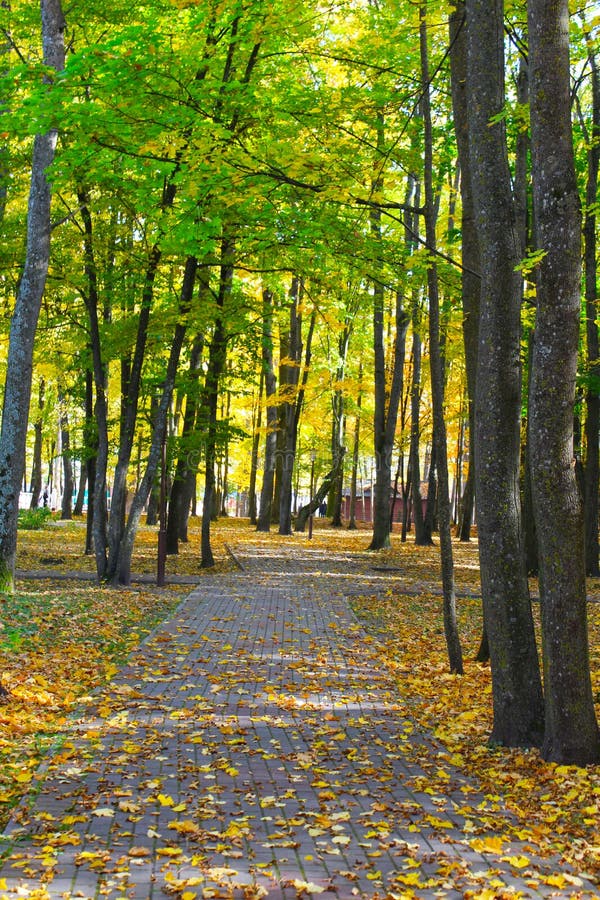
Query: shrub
30, 519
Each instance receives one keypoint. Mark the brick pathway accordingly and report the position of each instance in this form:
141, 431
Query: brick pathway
252, 747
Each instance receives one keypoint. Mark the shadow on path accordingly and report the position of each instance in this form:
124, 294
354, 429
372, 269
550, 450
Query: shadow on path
254, 746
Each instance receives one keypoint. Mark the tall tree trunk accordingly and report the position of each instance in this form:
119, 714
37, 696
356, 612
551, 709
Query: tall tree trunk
415, 426
387, 394
437, 371
470, 280
266, 493
122, 573
225, 459
257, 424
355, 453
36, 470
289, 369
179, 496
19, 367
216, 366
293, 386
98, 464
131, 389
430, 517
592, 398
516, 682
80, 493
66, 511
338, 430
571, 733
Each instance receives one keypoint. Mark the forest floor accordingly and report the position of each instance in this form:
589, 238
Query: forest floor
60, 639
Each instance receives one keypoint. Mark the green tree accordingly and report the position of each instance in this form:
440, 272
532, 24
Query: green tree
17, 388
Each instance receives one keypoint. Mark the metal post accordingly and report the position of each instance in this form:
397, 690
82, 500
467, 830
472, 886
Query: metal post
162, 517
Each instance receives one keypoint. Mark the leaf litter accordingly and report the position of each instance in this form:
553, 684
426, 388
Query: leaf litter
61, 641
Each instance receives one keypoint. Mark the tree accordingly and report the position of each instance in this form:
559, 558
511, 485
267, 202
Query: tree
270, 379
17, 389
571, 732
470, 281
592, 421
516, 681
437, 366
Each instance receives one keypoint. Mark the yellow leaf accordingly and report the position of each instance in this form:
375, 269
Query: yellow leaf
518, 861
24, 777
373, 876
307, 887
558, 881
490, 844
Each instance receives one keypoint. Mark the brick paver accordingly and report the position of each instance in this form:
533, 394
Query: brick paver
253, 747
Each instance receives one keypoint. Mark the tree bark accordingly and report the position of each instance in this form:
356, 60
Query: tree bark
437, 372
289, 368
470, 278
179, 504
217, 356
257, 424
266, 493
355, 453
19, 369
592, 398
338, 430
292, 386
36, 470
66, 511
131, 388
329, 480
516, 682
122, 573
387, 394
98, 462
571, 732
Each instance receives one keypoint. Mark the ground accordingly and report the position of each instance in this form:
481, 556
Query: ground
59, 640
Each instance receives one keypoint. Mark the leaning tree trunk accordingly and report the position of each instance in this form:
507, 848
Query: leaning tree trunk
516, 682
571, 733
19, 367
325, 487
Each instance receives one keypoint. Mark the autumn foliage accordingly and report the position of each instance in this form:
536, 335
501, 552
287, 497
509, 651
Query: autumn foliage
60, 639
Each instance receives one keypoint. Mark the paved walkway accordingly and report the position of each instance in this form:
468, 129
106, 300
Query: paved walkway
252, 747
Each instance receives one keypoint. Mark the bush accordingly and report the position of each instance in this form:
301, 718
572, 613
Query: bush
30, 519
